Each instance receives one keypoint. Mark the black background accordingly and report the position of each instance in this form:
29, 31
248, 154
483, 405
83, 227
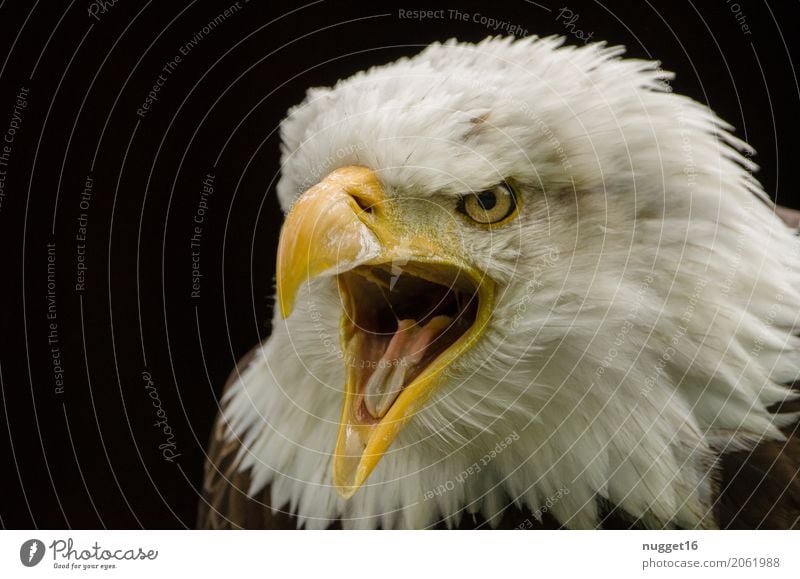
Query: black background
89, 457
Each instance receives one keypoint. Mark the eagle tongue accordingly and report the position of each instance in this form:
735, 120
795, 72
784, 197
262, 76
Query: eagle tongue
406, 349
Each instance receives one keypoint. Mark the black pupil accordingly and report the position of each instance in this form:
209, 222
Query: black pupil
487, 199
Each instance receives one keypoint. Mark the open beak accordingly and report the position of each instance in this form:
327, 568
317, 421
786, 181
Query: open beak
411, 306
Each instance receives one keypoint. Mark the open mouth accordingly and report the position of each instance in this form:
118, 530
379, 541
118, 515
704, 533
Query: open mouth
397, 322
413, 304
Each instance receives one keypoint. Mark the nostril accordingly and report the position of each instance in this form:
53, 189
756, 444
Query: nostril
364, 204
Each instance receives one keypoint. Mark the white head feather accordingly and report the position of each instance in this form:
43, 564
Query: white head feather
647, 304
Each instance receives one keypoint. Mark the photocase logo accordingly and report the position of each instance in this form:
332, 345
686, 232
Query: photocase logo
31, 552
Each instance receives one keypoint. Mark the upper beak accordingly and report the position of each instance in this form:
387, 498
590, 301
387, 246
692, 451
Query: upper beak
324, 232
345, 226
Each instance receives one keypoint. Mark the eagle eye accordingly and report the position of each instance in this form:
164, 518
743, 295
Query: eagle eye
490, 207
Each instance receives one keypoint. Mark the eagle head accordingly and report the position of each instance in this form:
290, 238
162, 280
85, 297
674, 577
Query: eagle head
515, 272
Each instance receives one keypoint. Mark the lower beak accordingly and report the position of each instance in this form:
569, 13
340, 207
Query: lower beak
412, 306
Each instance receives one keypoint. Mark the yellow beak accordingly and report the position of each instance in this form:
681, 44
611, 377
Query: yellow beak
347, 227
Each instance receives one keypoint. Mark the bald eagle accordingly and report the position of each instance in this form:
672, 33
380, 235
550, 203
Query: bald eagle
522, 285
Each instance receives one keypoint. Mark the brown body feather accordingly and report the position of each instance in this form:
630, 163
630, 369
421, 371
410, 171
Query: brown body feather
760, 489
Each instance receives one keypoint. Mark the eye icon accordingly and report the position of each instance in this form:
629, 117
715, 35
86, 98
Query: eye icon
31, 552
